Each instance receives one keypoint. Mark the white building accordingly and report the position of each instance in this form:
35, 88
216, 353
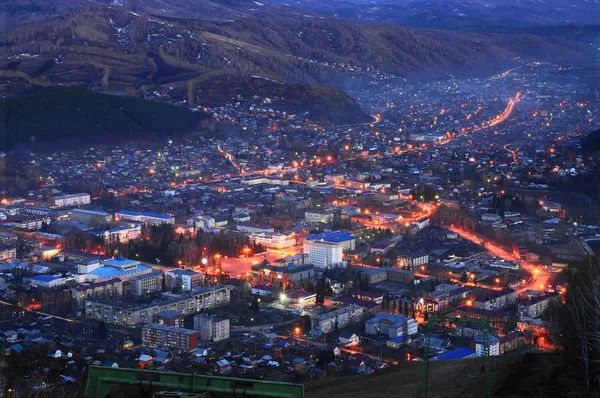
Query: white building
340, 318
76, 199
146, 284
45, 280
123, 233
317, 216
202, 222
188, 278
493, 346
347, 240
392, 325
90, 217
211, 328
146, 218
490, 217
324, 254
273, 240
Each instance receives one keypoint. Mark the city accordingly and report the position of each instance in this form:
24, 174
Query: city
456, 222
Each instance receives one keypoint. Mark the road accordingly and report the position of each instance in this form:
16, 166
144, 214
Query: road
504, 74
541, 277
237, 266
39, 312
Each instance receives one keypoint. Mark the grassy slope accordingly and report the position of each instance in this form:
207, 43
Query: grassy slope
537, 375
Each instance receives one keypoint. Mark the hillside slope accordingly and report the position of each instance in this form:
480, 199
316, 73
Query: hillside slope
62, 112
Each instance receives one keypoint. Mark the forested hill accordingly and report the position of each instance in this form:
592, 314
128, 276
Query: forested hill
60, 112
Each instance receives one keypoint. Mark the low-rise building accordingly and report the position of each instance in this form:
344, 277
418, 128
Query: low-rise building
535, 306
301, 298
90, 217
121, 234
495, 300
7, 253
392, 325
45, 280
273, 240
145, 218
317, 216
118, 268
412, 260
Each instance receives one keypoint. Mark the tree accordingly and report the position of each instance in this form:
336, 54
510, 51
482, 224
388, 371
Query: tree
464, 276
255, 305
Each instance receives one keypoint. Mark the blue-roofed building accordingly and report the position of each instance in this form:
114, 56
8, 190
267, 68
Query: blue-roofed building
45, 280
347, 240
121, 268
459, 353
146, 218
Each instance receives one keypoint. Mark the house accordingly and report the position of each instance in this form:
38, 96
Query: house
412, 260
222, 367
264, 290
162, 357
55, 353
349, 338
11, 336
145, 361
110, 364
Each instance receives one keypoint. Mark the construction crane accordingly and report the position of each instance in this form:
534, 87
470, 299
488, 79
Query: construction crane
101, 380
484, 324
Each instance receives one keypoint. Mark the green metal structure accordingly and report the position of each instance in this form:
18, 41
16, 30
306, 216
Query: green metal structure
101, 380
485, 324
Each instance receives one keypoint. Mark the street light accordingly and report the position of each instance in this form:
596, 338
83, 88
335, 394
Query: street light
204, 261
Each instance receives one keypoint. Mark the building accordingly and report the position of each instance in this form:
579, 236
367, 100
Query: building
122, 233
346, 239
28, 222
254, 229
491, 217
45, 281
535, 306
412, 260
316, 216
76, 199
211, 328
187, 278
459, 353
337, 319
495, 300
392, 325
165, 337
7, 253
146, 283
372, 276
131, 315
118, 268
273, 240
202, 222
290, 274
493, 346
6, 238
90, 217
301, 298
169, 318
145, 218
323, 254
109, 290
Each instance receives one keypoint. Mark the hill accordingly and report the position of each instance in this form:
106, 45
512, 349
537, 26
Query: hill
534, 375
63, 112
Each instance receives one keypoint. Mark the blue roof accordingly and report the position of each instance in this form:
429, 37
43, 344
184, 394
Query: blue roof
399, 339
45, 278
459, 353
157, 215
337, 236
113, 272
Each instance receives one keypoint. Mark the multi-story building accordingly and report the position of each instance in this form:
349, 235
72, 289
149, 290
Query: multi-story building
346, 239
317, 216
323, 254
109, 290
186, 278
337, 319
127, 315
146, 218
28, 222
371, 276
6, 238
122, 233
169, 337
76, 199
254, 229
392, 325
146, 284
169, 318
535, 306
90, 217
211, 328
493, 346
273, 240
495, 300
202, 222
7, 253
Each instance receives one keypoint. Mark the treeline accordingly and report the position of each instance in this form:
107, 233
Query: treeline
61, 112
